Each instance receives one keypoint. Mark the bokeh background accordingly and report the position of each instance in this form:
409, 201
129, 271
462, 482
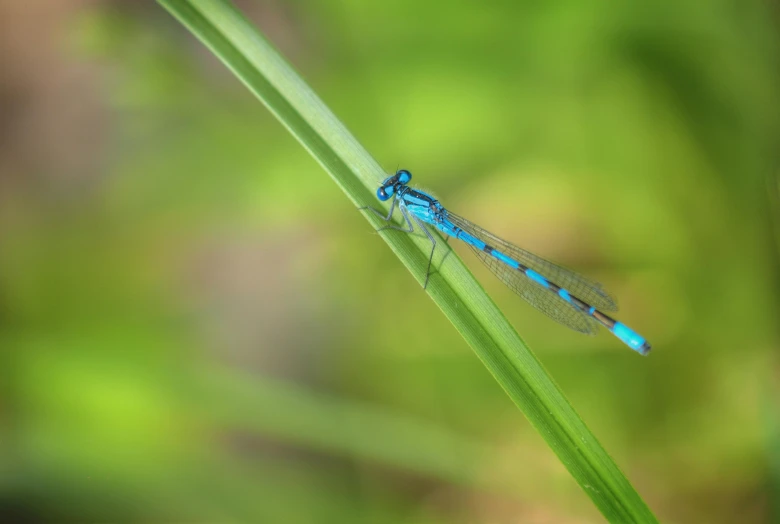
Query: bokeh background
196, 325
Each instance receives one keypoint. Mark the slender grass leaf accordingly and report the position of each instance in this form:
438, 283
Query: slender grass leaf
242, 48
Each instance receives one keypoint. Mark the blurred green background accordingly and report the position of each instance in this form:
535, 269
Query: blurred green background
196, 325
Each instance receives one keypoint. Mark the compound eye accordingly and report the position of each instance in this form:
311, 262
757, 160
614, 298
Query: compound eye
383, 193
404, 176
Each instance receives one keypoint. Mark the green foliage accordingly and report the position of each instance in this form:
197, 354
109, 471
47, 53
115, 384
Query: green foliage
195, 326
454, 290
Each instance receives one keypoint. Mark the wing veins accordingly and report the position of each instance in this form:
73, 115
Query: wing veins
586, 290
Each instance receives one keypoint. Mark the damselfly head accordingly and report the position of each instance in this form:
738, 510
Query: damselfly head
393, 183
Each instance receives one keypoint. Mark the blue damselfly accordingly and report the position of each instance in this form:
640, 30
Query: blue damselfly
561, 294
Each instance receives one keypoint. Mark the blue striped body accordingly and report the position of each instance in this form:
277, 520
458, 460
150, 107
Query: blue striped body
561, 294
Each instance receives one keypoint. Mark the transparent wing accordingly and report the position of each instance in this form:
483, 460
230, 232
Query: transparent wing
539, 297
577, 285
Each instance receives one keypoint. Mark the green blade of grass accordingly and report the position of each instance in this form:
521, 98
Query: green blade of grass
452, 287
342, 427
